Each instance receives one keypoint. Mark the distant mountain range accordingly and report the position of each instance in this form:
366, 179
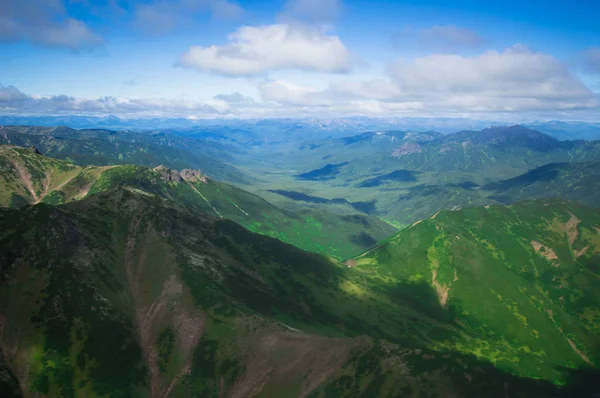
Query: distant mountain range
408, 176
305, 127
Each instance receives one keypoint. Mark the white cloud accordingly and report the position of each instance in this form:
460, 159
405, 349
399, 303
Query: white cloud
235, 98
516, 72
13, 101
287, 93
44, 22
514, 80
257, 50
11, 94
71, 34
440, 38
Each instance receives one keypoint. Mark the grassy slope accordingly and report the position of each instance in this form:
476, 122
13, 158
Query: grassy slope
28, 177
520, 280
191, 305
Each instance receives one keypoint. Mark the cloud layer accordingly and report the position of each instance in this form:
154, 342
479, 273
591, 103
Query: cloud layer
254, 50
514, 80
13, 101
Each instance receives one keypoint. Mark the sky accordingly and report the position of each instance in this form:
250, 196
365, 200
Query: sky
520, 60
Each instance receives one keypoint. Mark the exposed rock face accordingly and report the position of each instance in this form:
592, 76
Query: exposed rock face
406, 149
189, 175
168, 175
192, 175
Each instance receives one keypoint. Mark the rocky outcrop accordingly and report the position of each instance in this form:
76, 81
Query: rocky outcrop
192, 175
168, 175
406, 149
174, 176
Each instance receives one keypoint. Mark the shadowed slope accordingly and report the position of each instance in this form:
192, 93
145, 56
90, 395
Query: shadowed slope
125, 295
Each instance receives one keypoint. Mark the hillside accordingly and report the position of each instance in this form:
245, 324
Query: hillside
406, 176
399, 176
572, 181
521, 281
101, 147
27, 177
578, 182
192, 305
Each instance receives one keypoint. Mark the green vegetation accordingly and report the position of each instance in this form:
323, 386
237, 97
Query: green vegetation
407, 176
120, 280
28, 177
193, 305
100, 147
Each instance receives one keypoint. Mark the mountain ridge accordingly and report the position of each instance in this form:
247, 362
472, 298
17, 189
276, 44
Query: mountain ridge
214, 311
28, 177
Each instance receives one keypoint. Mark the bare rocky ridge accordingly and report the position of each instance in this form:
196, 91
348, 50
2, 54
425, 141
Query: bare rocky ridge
189, 175
407, 149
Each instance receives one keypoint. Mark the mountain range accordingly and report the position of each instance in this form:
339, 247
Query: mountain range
308, 127
121, 281
139, 275
27, 177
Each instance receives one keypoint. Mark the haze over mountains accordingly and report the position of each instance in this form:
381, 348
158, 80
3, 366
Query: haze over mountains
306, 128
221, 261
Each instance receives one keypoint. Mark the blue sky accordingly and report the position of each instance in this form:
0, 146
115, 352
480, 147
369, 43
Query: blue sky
222, 58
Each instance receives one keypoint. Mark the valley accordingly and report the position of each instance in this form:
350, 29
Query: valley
299, 199
378, 264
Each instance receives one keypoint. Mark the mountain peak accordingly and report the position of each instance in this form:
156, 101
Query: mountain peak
189, 175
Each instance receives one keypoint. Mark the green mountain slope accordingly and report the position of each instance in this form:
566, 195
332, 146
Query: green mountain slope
572, 181
124, 295
106, 147
521, 281
28, 177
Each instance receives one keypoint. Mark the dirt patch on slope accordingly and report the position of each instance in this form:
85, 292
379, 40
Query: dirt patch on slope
578, 352
171, 307
278, 357
579, 253
440, 289
571, 228
26, 178
545, 252
351, 263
